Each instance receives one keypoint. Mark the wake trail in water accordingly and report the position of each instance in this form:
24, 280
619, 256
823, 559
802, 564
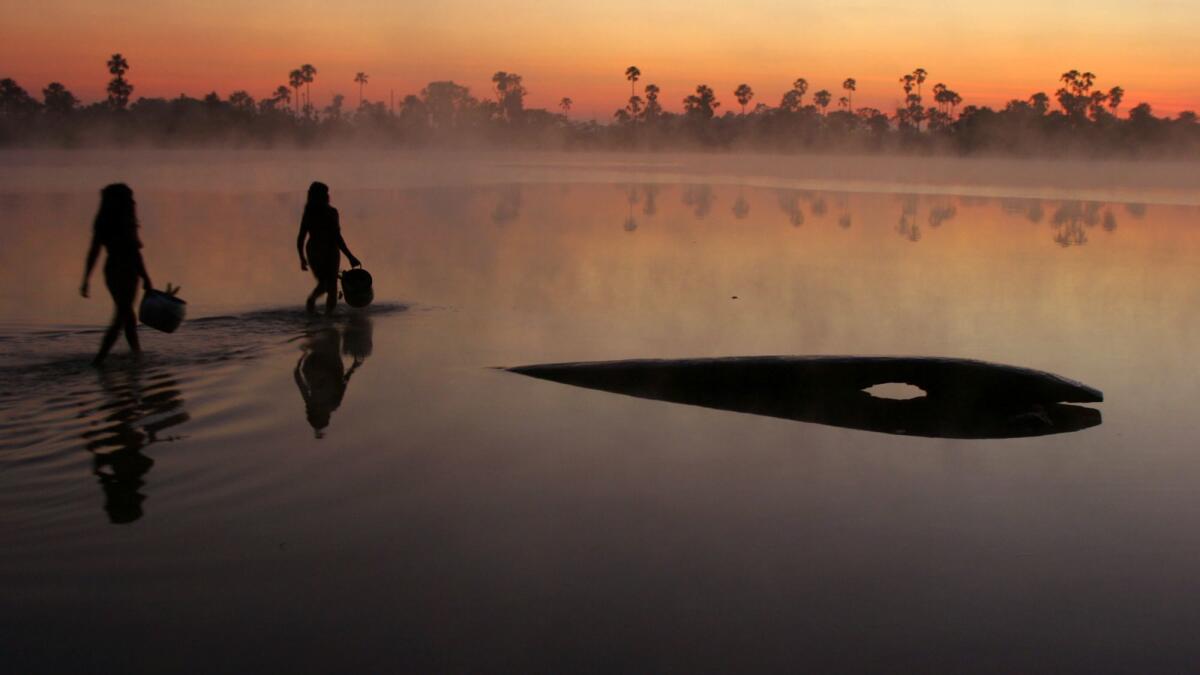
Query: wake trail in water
39, 353
52, 396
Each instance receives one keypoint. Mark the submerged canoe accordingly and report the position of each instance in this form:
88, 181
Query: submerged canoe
963, 398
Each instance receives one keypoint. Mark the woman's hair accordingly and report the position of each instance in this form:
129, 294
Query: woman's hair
318, 195
117, 215
318, 198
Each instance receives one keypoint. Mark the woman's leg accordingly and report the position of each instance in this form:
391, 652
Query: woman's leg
311, 303
130, 323
123, 290
332, 293
110, 337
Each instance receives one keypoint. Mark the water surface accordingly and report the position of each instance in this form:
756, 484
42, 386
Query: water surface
264, 490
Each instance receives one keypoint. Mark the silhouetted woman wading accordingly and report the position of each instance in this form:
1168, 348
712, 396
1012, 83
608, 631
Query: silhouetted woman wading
115, 229
320, 226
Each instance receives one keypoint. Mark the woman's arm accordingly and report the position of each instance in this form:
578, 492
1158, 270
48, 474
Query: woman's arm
300, 243
142, 271
92, 254
342, 242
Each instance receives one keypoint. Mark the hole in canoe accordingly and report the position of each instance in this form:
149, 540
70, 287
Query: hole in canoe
898, 391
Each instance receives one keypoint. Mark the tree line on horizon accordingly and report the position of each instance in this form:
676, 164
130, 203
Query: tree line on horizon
1086, 121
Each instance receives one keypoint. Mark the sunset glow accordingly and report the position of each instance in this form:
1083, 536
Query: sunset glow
989, 54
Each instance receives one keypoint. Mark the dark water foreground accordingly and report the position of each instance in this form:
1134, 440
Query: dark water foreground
268, 492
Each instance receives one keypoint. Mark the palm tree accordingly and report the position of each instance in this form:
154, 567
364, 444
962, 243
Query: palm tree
566, 104
634, 107
822, 98
361, 79
632, 74
282, 94
308, 71
850, 85
296, 79
953, 99
117, 65
919, 75
242, 101
653, 107
743, 94
844, 102
939, 95
118, 89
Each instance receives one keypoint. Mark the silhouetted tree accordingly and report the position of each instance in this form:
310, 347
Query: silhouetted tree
565, 104
360, 78
634, 107
1115, 96
307, 73
633, 75
653, 107
790, 101
702, 104
446, 103
800, 86
333, 111
296, 80
58, 100
1040, 102
15, 102
282, 95
743, 94
919, 76
241, 101
510, 94
850, 85
822, 99
119, 90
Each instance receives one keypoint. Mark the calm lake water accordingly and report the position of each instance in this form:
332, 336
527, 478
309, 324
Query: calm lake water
269, 492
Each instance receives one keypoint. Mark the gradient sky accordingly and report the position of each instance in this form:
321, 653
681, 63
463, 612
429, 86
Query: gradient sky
988, 52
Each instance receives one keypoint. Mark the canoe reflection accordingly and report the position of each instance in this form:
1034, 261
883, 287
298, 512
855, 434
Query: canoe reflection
963, 398
138, 405
320, 373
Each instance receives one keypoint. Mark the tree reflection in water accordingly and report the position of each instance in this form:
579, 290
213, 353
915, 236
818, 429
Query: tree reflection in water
1072, 219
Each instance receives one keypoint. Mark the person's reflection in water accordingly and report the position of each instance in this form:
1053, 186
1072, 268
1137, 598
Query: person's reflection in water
138, 406
322, 376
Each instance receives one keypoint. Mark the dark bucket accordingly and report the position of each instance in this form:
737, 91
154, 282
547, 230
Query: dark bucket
356, 287
162, 311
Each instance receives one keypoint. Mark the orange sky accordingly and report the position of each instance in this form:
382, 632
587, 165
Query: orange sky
563, 48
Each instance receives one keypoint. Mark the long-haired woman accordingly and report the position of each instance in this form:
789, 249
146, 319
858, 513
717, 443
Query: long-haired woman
115, 229
323, 231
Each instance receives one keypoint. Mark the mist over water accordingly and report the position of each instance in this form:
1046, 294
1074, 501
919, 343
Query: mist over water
267, 488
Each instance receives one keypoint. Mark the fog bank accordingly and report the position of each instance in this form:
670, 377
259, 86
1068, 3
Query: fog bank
1146, 181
